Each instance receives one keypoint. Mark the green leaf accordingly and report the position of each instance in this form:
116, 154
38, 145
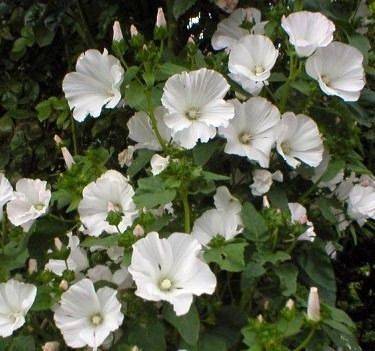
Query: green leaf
302, 86
334, 167
214, 176
130, 74
43, 299
210, 342
325, 206
229, 257
204, 151
187, 325
278, 198
22, 343
135, 96
142, 159
181, 6
252, 271
254, 223
287, 274
271, 257
169, 69
108, 241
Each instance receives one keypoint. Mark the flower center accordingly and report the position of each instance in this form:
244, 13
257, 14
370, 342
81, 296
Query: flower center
259, 69
96, 319
39, 207
114, 207
245, 138
192, 114
285, 146
165, 284
326, 80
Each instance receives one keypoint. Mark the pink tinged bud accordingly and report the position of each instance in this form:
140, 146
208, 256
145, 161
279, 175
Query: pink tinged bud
64, 285
68, 158
289, 304
266, 203
313, 305
57, 140
117, 33
51, 346
133, 31
138, 231
160, 18
58, 244
191, 40
32, 266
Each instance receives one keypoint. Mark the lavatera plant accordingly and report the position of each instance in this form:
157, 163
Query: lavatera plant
216, 228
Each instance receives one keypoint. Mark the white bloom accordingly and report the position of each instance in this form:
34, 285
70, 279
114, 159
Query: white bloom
343, 190
110, 192
367, 180
170, 270
140, 130
262, 181
117, 33
125, 157
30, 201
120, 277
299, 138
251, 133
230, 30
226, 202
160, 18
331, 250
196, 106
290, 304
308, 31
253, 57
338, 69
158, 164
299, 215
361, 203
16, 299
86, 317
77, 260
252, 87
227, 5
6, 192
214, 222
313, 305
95, 84
115, 253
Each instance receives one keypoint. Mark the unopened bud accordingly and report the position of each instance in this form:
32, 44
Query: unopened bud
313, 305
191, 40
133, 31
57, 140
138, 231
64, 285
117, 33
289, 304
266, 203
135, 348
51, 346
58, 243
32, 266
260, 318
160, 18
125, 157
68, 158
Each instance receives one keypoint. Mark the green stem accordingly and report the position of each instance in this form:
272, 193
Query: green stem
285, 93
185, 202
305, 342
89, 39
74, 135
154, 123
172, 25
3, 226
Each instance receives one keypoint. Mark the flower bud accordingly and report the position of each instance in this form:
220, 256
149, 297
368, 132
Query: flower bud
117, 33
51, 346
138, 231
289, 304
313, 305
133, 31
160, 18
64, 285
58, 243
266, 203
158, 164
32, 266
57, 140
260, 318
68, 158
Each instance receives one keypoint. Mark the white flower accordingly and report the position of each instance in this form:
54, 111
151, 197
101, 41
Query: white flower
338, 69
196, 106
331, 250
343, 190
252, 87
251, 133
226, 202
215, 223
77, 260
125, 157
308, 31
262, 181
361, 203
16, 299
117, 33
120, 277
30, 201
227, 5
170, 270
140, 130
86, 317
6, 193
230, 30
160, 18
299, 138
109, 193
253, 57
313, 305
158, 164
299, 215
95, 84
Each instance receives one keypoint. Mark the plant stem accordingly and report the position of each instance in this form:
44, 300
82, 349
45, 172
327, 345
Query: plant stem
89, 39
172, 25
284, 96
185, 202
154, 123
305, 342
74, 135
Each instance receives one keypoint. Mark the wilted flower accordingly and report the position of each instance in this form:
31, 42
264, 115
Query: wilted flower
361, 203
111, 193
251, 133
313, 305
86, 317
298, 140
125, 157
308, 31
226, 202
158, 164
170, 270
30, 201
338, 69
117, 33
196, 106
16, 299
230, 30
299, 215
95, 84
262, 181
140, 130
